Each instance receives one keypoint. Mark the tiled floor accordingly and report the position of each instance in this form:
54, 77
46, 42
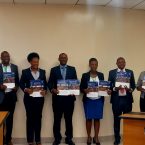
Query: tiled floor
78, 141
102, 143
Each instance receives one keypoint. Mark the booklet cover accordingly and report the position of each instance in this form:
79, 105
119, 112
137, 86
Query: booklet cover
62, 87
103, 87
37, 85
9, 79
123, 79
68, 87
74, 87
94, 94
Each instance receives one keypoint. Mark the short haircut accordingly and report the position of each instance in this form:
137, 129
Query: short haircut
32, 55
4, 52
120, 58
62, 54
92, 59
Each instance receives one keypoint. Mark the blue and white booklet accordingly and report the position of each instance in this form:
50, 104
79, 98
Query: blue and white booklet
74, 87
36, 83
9, 79
103, 88
62, 87
94, 93
37, 86
68, 87
123, 79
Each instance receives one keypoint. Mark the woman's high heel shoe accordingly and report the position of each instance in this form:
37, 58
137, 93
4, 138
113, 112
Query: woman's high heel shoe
89, 141
97, 143
31, 143
38, 143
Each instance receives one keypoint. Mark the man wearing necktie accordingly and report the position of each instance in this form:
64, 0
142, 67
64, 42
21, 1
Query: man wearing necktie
63, 71
8, 96
121, 98
62, 105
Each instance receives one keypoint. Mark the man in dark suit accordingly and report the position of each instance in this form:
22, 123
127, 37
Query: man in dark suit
8, 97
62, 104
121, 98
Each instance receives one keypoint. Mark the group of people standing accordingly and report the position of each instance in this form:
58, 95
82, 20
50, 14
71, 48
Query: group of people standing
64, 105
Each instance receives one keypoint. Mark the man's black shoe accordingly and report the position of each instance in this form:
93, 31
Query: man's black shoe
116, 142
69, 142
56, 142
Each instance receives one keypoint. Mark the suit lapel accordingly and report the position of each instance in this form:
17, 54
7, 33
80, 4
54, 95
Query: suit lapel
99, 76
115, 74
12, 68
67, 73
88, 76
59, 72
40, 74
30, 74
126, 70
1, 69
1, 74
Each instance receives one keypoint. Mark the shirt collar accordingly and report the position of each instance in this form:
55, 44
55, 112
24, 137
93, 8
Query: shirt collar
118, 70
63, 66
33, 71
7, 65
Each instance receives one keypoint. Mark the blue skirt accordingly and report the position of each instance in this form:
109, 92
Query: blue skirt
93, 108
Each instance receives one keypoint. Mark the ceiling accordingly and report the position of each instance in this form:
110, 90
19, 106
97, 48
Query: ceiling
130, 4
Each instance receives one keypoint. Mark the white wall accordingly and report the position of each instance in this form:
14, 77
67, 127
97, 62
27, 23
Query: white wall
82, 32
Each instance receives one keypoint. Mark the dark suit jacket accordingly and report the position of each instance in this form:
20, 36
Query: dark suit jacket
26, 77
114, 95
55, 75
14, 69
84, 82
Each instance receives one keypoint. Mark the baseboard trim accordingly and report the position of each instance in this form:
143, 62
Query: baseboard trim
50, 139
